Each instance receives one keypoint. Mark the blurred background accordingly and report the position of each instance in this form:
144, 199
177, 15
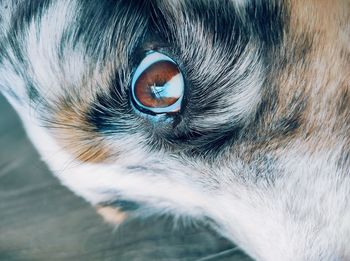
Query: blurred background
41, 220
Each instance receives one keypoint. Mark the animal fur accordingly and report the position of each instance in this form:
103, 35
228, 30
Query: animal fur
261, 146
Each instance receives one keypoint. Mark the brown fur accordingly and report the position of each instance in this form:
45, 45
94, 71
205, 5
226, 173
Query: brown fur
309, 81
74, 132
112, 215
307, 88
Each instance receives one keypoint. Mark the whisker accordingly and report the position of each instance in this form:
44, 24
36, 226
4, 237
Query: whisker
219, 254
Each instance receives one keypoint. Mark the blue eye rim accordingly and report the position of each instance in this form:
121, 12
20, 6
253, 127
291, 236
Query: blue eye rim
144, 64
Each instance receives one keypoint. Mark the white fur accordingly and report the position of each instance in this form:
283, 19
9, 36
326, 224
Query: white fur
301, 217
42, 45
256, 219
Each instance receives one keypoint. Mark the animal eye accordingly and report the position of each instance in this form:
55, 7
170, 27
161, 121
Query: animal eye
157, 85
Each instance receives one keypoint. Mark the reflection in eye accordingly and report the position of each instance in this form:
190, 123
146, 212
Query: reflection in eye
158, 85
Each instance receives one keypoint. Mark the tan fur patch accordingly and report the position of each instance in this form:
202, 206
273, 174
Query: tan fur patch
309, 82
317, 70
112, 215
73, 131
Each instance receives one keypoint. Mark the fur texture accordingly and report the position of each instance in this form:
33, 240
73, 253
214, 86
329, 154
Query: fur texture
261, 146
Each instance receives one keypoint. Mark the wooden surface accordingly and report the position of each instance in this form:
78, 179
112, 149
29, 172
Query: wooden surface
42, 220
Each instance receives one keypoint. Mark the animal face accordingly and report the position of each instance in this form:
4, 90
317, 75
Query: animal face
235, 111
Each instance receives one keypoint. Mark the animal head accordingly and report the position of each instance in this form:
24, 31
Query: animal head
236, 111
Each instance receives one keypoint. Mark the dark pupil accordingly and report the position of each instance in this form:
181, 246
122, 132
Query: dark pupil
148, 87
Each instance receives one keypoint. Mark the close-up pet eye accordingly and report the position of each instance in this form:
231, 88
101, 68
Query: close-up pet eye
157, 85
175, 130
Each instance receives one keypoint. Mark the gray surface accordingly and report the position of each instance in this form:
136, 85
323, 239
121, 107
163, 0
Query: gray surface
41, 220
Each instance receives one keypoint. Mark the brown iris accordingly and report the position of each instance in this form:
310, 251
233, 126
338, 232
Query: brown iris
157, 85
150, 88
